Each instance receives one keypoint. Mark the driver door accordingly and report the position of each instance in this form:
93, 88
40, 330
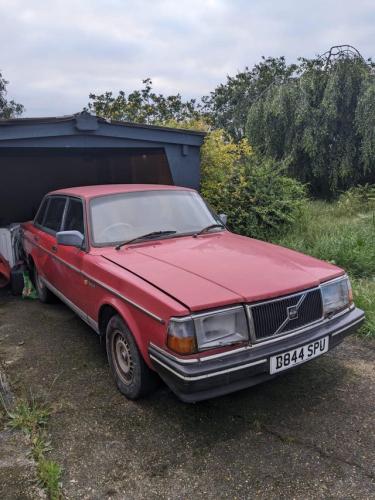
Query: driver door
69, 279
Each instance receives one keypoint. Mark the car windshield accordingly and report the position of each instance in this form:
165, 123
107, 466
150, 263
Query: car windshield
125, 216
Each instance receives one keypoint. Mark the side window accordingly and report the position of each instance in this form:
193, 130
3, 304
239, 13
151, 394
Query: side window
74, 217
41, 212
54, 214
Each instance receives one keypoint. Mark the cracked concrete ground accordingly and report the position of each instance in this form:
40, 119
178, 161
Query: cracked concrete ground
307, 434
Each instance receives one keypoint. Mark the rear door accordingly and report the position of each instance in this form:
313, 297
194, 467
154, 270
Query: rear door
46, 237
31, 233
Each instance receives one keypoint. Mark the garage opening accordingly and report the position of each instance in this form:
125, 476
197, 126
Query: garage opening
39, 155
30, 173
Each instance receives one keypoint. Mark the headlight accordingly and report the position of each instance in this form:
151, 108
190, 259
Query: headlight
336, 296
205, 331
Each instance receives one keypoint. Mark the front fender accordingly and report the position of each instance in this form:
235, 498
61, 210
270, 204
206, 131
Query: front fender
143, 328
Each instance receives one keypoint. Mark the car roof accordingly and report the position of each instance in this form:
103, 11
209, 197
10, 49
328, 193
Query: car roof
108, 189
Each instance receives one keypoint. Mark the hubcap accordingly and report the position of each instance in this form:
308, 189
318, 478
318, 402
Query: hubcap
123, 358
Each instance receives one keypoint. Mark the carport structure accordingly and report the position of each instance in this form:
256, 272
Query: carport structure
38, 155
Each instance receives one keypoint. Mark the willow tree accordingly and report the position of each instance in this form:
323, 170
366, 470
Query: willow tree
320, 122
227, 105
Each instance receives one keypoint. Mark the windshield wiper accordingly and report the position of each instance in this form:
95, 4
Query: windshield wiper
208, 228
151, 235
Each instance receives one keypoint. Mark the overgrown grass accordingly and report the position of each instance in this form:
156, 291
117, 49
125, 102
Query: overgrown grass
364, 297
344, 236
31, 417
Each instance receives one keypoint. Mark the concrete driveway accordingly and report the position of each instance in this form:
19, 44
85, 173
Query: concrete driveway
307, 434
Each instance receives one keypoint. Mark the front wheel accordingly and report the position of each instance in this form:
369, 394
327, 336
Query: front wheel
133, 377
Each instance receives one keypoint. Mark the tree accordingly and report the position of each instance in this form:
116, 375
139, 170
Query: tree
8, 109
143, 106
228, 105
319, 122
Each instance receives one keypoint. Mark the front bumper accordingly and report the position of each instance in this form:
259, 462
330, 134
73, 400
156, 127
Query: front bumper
211, 376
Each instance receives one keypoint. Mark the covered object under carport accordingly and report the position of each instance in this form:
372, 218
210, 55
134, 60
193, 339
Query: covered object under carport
38, 155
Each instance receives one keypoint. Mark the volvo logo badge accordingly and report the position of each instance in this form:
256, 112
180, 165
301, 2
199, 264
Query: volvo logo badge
292, 312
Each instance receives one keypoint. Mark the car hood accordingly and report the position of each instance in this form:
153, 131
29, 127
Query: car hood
223, 268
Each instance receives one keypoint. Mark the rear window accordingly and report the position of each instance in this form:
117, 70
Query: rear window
54, 214
41, 212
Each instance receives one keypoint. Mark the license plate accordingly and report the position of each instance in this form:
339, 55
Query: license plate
297, 356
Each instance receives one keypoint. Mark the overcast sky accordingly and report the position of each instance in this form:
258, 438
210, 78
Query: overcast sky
55, 52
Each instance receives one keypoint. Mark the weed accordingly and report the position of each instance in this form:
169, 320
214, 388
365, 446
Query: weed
31, 417
28, 416
50, 474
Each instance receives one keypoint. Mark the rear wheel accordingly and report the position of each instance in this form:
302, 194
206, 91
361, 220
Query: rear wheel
133, 377
44, 294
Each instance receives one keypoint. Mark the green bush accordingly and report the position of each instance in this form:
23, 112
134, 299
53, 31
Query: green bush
259, 199
256, 195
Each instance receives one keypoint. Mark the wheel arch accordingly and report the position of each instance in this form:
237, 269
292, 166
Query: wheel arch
106, 312
31, 267
116, 306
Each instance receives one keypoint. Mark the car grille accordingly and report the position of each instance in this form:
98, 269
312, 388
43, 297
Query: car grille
279, 316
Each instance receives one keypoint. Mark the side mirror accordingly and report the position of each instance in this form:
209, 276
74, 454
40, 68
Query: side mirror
223, 218
70, 238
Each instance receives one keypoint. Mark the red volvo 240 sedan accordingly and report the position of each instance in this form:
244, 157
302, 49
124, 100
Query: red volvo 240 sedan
153, 270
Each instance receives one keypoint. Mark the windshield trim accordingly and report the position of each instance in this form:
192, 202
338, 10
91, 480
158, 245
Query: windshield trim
167, 237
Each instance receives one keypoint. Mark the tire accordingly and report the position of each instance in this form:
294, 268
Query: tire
16, 280
45, 295
133, 377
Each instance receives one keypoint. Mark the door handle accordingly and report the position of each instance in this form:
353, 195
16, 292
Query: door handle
54, 249
36, 238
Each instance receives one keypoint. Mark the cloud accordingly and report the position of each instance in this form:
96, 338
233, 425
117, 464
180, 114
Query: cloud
55, 53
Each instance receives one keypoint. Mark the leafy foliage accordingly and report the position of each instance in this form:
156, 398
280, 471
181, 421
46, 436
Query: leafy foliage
365, 124
257, 196
357, 199
228, 105
319, 122
260, 200
143, 106
221, 158
8, 109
